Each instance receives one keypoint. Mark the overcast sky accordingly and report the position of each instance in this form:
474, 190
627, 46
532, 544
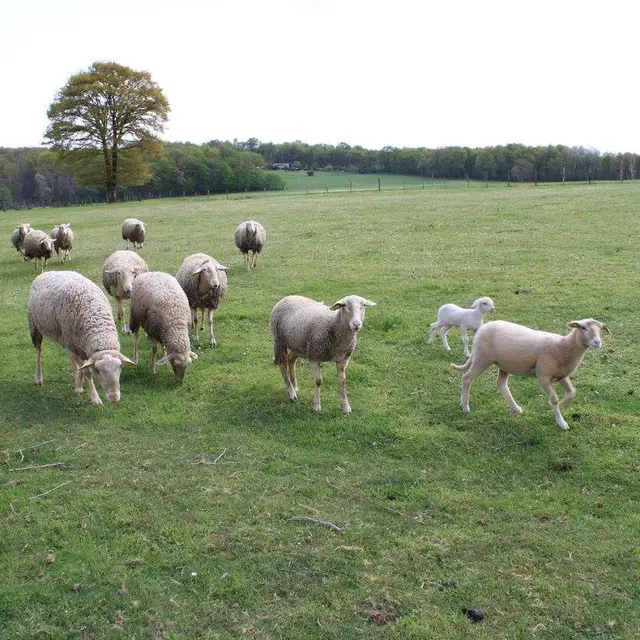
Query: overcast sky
402, 73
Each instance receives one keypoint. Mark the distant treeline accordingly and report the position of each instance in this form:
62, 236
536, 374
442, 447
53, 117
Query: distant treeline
35, 177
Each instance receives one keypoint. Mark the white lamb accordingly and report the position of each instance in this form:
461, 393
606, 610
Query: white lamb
69, 309
451, 315
302, 327
522, 351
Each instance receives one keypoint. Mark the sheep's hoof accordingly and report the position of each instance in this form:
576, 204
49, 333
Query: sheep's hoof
465, 409
563, 425
79, 390
317, 409
38, 380
96, 402
346, 410
213, 344
293, 397
517, 409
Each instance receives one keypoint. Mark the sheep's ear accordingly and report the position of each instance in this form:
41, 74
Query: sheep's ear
126, 360
603, 327
474, 304
164, 360
337, 305
575, 325
222, 268
194, 356
368, 303
86, 363
200, 269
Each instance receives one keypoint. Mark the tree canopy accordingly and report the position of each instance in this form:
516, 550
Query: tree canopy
104, 123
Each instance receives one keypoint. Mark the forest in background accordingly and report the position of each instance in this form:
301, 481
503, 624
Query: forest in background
35, 177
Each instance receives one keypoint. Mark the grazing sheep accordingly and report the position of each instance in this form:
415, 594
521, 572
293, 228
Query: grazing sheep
205, 282
133, 230
38, 245
63, 241
160, 306
18, 236
118, 273
69, 309
304, 327
250, 236
451, 315
518, 350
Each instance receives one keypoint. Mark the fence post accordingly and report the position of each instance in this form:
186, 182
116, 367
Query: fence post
350, 186
378, 184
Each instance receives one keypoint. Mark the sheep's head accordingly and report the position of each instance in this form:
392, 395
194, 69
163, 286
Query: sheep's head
589, 331
122, 280
106, 365
24, 228
208, 275
484, 305
179, 362
353, 309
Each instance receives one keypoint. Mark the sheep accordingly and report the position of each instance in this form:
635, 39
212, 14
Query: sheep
250, 236
134, 231
38, 245
69, 309
519, 350
160, 306
118, 273
18, 236
62, 236
205, 283
304, 327
451, 315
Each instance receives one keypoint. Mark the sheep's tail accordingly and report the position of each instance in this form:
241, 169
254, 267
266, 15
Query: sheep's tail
462, 367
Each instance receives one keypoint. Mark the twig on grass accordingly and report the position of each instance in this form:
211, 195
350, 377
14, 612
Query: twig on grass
50, 490
417, 520
61, 465
203, 461
31, 448
320, 522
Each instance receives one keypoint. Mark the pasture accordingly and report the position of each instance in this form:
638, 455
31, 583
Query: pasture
176, 512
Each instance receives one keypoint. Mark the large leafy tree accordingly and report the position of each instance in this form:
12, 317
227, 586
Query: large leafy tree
105, 121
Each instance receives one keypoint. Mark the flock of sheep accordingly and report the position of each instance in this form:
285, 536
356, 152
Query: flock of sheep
67, 308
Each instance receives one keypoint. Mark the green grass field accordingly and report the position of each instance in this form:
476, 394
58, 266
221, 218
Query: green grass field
172, 514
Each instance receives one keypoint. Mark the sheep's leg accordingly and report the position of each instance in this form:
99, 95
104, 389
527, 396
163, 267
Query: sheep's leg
342, 380
212, 338
247, 261
291, 367
78, 373
443, 334
121, 320
93, 393
316, 369
36, 336
194, 322
154, 350
293, 396
136, 338
547, 387
570, 392
255, 259
503, 385
467, 380
433, 329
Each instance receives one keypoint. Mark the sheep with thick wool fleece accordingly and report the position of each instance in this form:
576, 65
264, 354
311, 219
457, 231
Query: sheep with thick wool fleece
18, 236
38, 245
134, 231
302, 327
160, 306
519, 350
250, 236
69, 309
62, 237
451, 315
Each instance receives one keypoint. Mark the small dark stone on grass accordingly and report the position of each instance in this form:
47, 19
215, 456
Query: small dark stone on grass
576, 416
563, 464
473, 614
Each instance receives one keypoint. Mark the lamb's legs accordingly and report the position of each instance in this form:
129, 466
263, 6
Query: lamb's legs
465, 342
342, 379
433, 329
503, 385
443, 334
547, 387
316, 369
570, 392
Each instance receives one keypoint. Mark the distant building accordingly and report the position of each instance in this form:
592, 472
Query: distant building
282, 166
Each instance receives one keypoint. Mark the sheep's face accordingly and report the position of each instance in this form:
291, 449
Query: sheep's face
353, 309
124, 282
179, 363
46, 246
589, 331
208, 274
24, 229
485, 305
107, 369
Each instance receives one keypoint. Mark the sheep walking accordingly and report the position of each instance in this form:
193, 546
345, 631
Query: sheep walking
160, 307
522, 351
18, 236
250, 236
38, 245
204, 281
451, 315
134, 231
118, 273
69, 309
62, 237
302, 327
